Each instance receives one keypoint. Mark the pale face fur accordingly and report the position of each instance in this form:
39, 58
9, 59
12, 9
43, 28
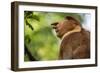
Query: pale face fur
63, 27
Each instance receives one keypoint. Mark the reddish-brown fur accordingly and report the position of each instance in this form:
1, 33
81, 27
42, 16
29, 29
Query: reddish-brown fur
75, 45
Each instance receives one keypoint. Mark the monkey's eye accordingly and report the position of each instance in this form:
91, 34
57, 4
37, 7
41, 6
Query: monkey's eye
54, 23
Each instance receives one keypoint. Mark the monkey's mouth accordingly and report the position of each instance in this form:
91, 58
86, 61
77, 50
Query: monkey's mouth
57, 31
55, 28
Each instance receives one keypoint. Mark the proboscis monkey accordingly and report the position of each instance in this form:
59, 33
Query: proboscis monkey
75, 40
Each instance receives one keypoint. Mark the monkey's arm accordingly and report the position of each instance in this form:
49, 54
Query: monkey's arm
81, 52
65, 52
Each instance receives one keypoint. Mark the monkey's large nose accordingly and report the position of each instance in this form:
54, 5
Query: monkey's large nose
54, 25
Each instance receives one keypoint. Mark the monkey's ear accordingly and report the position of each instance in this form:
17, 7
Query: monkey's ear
69, 18
73, 19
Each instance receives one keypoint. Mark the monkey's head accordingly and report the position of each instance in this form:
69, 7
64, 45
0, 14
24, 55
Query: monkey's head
64, 26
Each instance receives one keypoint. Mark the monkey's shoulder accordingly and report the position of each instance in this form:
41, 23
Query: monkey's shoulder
76, 38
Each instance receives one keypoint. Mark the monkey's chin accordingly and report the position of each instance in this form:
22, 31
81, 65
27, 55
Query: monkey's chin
60, 36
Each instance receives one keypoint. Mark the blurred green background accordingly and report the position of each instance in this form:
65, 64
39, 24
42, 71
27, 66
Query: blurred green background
40, 42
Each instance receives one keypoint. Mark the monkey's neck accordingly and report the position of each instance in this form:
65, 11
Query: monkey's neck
76, 29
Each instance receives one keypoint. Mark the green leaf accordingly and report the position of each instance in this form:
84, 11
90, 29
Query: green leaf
30, 26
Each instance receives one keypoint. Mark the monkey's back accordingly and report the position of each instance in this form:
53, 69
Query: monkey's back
75, 46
